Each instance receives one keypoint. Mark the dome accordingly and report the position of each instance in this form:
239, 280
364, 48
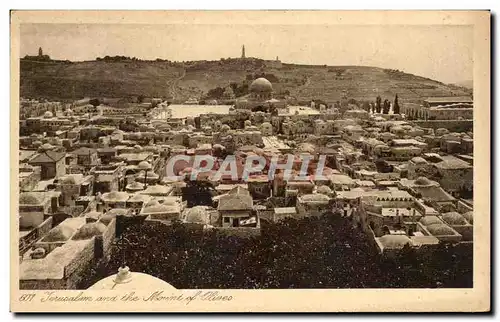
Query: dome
454, 218
115, 195
95, 215
225, 128
423, 181
394, 241
90, 230
325, 190
261, 85
469, 216
126, 280
418, 160
68, 180
28, 199
306, 147
440, 230
149, 175
46, 147
144, 165
107, 218
197, 215
135, 186
315, 197
430, 220
48, 115
38, 253
59, 233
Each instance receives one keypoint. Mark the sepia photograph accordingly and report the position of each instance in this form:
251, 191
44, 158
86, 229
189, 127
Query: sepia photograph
191, 158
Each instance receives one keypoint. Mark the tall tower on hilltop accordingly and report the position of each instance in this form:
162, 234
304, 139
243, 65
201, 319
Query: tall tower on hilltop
40, 52
243, 52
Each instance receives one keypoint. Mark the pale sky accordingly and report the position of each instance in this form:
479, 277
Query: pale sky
439, 52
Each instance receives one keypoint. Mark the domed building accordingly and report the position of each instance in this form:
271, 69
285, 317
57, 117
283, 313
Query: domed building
260, 97
261, 89
196, 215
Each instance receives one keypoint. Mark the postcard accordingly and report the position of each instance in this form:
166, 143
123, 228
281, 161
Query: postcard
250, 161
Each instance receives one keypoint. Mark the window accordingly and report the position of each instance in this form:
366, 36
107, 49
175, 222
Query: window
226, 219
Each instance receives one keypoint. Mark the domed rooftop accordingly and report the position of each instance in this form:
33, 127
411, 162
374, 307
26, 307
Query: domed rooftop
430, 220
89, 230
197, 215
93, 215
315, 197
126, 280
149, 175
325, 190
59, 233
423, 181
440, 230
46, 147
115, 196
454, 218
418, 160
394, 241
152, 203
28, 199
48, 115
135, 186
68, 180
469, 216
144, 165
107, 218
261, 85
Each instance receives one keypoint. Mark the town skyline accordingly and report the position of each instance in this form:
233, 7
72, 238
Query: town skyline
443, 53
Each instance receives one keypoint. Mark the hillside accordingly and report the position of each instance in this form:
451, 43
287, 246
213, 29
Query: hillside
179, 81
466, 83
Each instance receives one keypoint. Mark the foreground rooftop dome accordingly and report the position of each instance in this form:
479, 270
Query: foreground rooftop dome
127, 280
261, 85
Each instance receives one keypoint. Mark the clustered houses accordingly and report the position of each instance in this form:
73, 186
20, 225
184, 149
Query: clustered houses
84, 175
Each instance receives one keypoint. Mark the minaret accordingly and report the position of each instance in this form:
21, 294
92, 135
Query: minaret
243, 52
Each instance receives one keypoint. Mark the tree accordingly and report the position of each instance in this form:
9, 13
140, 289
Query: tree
378, 104
387, 106
396, 105
366, 106
95, 102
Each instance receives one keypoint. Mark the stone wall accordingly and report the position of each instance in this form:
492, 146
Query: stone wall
108, 237
48, 284
75, 270
451, 125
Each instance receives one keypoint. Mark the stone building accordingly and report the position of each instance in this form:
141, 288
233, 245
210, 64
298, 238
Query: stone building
52, 164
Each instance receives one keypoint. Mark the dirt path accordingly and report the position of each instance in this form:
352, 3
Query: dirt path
173, 84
